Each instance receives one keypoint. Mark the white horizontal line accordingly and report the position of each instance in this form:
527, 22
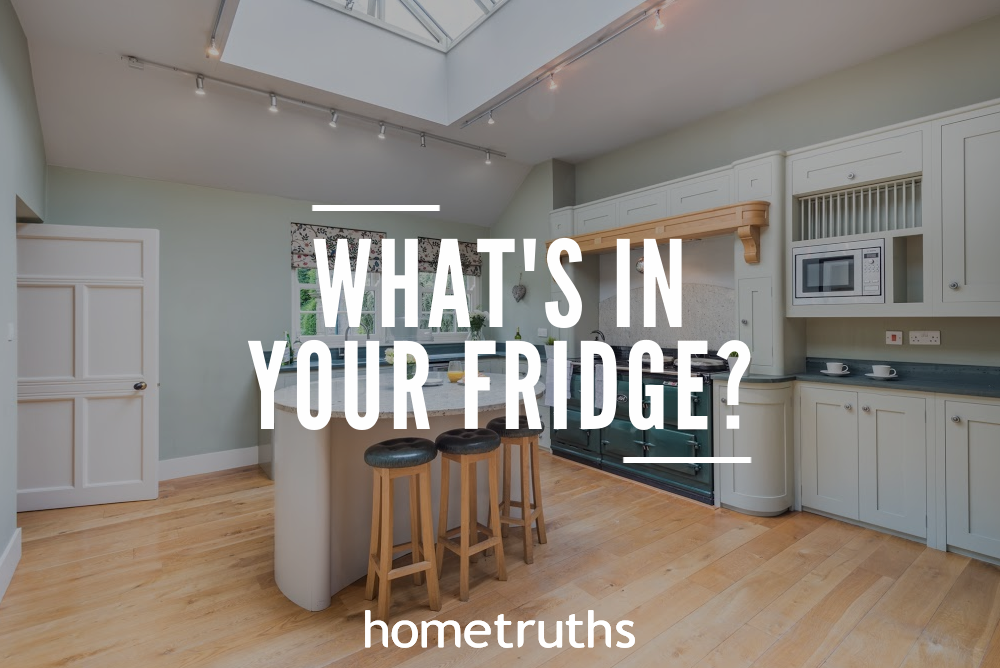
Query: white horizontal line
686, 460
376, 207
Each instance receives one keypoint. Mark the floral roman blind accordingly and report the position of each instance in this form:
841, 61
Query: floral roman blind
428, 251
304, 255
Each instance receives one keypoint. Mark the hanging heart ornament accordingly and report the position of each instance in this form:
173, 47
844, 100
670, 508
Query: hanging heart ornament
519, 291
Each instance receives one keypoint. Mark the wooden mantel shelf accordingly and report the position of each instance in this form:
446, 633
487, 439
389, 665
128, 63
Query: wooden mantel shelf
745, 219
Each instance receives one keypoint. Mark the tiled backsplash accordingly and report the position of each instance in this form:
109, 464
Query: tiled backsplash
708, 315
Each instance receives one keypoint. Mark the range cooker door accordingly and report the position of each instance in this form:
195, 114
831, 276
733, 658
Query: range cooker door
576, 437
673, 443
621, 439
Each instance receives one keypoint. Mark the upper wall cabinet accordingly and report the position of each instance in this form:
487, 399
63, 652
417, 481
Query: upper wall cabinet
561, 223
970, 209
864, 161
701, 194
595, 217
643, 207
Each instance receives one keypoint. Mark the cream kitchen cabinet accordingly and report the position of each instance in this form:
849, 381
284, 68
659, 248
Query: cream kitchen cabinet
561, 223
643, 207
972, 460
864, 457
756, 320
892, 449
861, 161
701, 193
828, 443
766, 435
970, 209
595, 217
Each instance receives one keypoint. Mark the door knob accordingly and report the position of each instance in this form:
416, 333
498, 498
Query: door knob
722, 399
866, 409
848, 407
141, 385
955, 418
745, 321
953, 285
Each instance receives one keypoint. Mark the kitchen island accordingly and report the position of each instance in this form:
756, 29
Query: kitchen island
323, 488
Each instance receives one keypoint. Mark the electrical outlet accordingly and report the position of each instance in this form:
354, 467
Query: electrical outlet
893, 338
543, 333
925, 338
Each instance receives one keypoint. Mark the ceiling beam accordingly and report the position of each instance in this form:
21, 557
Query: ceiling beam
426, 20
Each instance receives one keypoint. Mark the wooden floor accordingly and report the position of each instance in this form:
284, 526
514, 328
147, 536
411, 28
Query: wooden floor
186, 580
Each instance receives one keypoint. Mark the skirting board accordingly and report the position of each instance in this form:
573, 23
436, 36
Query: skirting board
182, 467
9, 560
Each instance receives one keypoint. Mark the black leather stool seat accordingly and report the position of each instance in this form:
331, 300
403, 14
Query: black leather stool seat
468, 441
499, 425
401, 453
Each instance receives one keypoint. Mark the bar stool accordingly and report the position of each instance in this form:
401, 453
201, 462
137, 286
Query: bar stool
468, 447
401, 458
526, 439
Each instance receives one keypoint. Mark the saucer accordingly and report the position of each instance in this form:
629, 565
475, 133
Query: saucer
871, 375
834, 373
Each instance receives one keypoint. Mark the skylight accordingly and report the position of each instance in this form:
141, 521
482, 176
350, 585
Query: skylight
437, 23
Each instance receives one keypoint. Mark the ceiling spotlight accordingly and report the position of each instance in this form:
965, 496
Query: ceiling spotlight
423, 140
552, 82
488, 161
199, 85
381, 130
491, 121
274, 104
659, 24
333, 118
213, 50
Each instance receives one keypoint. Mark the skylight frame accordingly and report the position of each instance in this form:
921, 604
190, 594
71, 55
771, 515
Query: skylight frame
447, 42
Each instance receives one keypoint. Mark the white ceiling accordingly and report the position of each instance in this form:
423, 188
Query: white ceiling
98, 114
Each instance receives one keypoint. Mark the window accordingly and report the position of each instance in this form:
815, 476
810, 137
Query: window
449, 329
308, 319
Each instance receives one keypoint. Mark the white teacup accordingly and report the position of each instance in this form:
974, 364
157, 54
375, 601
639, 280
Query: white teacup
883, 370
837, 367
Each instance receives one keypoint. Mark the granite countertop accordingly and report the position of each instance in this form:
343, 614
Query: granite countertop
446, 399
962, 380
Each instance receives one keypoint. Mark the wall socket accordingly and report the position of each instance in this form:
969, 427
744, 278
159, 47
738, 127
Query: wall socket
925, 338
893, 338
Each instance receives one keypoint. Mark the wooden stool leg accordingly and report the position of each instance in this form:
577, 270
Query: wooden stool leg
373, 547
443, 512
418, 577
385, 551
495, 515
473, 509
427, 535
464, 531
529, 540
536, 488
506, 487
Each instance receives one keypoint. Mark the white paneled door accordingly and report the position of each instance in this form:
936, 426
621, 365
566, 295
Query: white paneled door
87, 356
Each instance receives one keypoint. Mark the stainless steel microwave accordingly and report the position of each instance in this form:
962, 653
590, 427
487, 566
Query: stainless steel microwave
852, 272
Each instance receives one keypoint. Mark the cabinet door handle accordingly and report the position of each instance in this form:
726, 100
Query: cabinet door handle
956, 419
866, 409
850, 176
722, 399
745, 321
605, 443
848, 407
953, 285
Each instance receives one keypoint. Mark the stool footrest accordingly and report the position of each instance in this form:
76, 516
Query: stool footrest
475, 548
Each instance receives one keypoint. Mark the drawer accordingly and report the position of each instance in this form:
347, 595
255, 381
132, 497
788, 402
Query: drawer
703, 194
595, 217
561, 224
875, 160
754, 182
643, 207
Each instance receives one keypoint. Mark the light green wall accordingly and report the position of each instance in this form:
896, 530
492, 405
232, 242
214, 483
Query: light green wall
973, 341
22, 174
224, 280
526, 217
944, 73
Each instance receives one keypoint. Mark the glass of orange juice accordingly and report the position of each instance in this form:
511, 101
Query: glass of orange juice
455, 371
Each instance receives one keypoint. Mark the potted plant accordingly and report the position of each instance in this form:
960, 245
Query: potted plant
733, 356
411, 362
477, 320
550, 346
